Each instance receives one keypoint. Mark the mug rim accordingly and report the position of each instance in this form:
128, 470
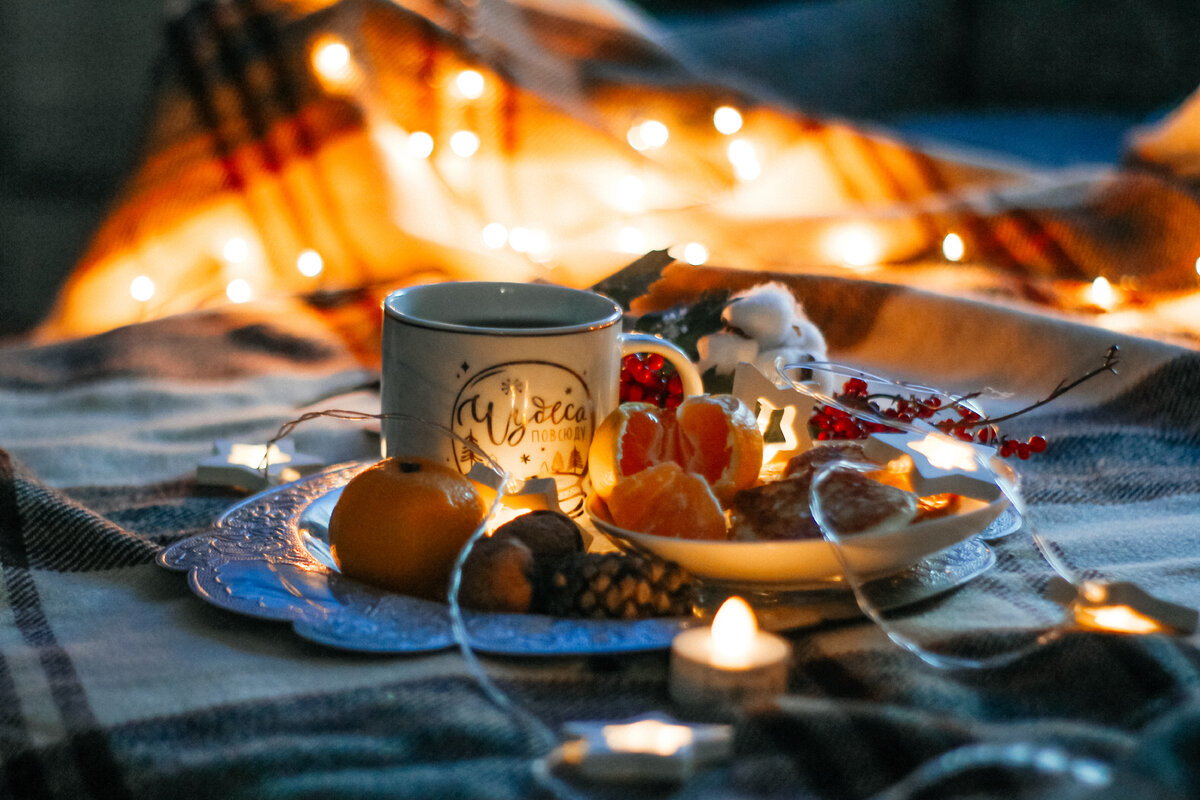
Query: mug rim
473, 294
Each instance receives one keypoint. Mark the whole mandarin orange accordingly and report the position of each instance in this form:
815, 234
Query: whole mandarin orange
400, 524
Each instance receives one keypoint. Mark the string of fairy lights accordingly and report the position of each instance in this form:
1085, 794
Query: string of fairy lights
332, 61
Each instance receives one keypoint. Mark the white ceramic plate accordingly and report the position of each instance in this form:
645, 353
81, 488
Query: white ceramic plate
807, 563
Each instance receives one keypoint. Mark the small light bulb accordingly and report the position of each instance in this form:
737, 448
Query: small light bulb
727, 120
332, 63
520, 239
141, 288
239, 291
695, 253
648, 135
953, 248
236, 250
310, 263
470, 84
420, 144
1101, 293
744, 159
495, 235
464, 143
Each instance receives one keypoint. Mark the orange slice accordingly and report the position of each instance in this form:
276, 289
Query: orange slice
630, 439
666, 501
717, 436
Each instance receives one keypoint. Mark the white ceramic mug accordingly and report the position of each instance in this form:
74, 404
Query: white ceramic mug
526, 371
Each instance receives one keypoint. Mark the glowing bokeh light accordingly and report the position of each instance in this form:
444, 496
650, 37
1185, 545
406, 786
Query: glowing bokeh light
470, 84
648, 135
727, 120
239, 291
744, 159
695, 253
310, 263
1102, 294
420, 144
495, 235
236, 250
631, 193
141, 288
464, 143
953, 248
332, 63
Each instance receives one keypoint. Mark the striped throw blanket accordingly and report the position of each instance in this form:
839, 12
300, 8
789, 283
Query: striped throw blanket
115, 681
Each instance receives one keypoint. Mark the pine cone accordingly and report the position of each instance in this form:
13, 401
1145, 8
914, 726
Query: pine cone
616, 586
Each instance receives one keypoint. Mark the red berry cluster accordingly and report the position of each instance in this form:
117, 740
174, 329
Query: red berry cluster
829, 422
650, 378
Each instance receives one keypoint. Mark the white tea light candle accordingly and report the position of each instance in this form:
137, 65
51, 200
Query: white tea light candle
732, 663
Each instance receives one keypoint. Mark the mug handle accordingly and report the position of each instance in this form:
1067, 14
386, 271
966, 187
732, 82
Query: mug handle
648, 343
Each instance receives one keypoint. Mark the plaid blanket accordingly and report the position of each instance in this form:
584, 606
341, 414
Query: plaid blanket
115, 681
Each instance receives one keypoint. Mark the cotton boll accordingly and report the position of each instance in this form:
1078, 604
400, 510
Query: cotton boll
764, 313
724, 351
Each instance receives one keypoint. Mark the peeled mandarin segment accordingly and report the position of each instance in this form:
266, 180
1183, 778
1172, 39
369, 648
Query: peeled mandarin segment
400, 525
718, 437
666, 501
628, 440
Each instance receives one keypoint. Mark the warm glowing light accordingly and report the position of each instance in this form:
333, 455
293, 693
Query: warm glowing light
727, 120
733, 631
251, 455
420, 144
631, 240
504, 514
695, 253
236, 250
464, 143
1102, 294
495, 235
332, 63
854, 246
787, 422
631, 193
239, 291
529, 240
1198, 266
744, 159
942, 452
141, 288
647, 736
1118, 619
310, 263
953, 248
470, 84
648, 135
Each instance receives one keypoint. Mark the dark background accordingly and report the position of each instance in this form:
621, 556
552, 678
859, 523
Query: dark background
1056, 82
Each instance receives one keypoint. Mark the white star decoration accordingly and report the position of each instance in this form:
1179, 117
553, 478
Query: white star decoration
651, 747
755, 390
941, 463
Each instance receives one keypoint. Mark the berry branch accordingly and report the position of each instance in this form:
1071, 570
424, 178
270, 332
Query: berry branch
830, 422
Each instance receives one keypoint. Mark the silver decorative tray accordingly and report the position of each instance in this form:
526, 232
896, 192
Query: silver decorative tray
268, 557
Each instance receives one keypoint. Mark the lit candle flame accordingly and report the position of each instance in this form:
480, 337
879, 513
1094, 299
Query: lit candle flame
733, 630
945, 453
1118, 619
647, 736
